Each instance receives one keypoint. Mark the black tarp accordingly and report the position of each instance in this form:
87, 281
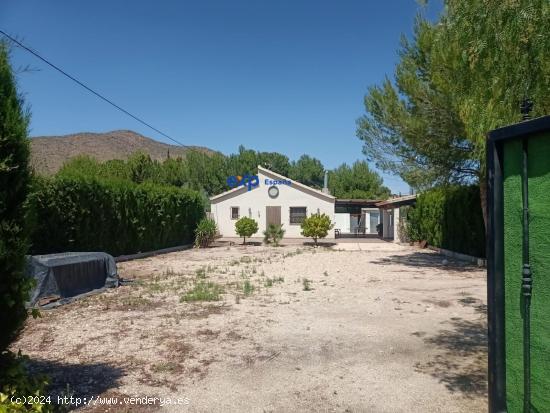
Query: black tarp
62, 277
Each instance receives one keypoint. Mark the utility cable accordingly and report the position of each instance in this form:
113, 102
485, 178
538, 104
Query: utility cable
89, 89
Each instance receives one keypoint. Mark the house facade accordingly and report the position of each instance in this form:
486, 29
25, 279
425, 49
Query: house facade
273, 199
391, 216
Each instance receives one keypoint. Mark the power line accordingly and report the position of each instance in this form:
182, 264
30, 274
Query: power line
89, 89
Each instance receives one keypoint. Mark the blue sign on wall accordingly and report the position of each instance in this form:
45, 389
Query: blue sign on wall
250, 181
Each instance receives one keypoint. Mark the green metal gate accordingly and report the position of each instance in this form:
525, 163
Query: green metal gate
518, 270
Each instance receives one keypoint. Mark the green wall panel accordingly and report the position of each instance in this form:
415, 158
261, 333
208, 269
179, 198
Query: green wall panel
539, 206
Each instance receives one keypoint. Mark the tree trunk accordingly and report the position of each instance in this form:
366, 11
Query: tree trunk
483, 198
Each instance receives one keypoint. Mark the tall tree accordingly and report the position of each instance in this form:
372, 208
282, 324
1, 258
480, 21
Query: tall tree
490, 56
357, 182
246, 161
412, 128
14, 187
275, 162
205, 172
308, 170
456, 80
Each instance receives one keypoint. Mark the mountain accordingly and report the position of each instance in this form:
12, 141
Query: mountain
49, 153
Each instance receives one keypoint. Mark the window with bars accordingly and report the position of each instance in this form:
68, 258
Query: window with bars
234, 212
297, 215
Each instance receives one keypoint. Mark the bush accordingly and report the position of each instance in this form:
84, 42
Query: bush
449, 218
205, 233
16, 383
246, 227
14, 188
316, 226
117, 217
274, 234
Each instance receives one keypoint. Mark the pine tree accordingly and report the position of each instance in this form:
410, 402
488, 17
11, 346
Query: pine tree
14, 187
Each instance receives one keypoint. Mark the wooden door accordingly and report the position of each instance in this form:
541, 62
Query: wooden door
272, 215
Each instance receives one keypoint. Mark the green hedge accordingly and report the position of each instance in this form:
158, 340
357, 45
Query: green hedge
112, 216
450, 218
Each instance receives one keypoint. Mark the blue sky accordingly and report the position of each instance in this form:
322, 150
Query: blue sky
286, 76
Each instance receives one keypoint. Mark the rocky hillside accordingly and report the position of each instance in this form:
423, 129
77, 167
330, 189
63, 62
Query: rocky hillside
49, 153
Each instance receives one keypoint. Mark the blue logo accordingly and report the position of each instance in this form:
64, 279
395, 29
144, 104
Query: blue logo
250, 181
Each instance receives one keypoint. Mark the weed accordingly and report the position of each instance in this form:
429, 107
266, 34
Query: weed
203, 291
246, 258
163, 367
248, 288
262, 274
253, 270
237, 299
234, 262
269, 282
307, 284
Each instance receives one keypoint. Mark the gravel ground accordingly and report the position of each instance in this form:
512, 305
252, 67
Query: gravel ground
373, 327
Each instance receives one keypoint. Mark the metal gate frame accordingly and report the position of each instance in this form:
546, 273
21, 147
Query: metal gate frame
495, 253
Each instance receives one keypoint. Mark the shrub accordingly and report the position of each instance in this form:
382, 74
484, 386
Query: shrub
246, 227
117, 217
450, 218
16, 383
205, 233
14, 188
274, 234
316, 226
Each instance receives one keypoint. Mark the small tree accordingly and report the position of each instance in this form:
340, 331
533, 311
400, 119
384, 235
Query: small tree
274, 234
14, 188
246, 227
205, 233
316, 226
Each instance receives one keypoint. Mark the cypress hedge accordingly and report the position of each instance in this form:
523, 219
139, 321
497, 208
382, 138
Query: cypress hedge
14, 188
118, 217
450, 218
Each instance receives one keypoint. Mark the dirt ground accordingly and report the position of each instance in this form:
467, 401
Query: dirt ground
386, 328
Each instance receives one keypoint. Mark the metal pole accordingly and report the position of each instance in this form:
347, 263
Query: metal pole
526, 285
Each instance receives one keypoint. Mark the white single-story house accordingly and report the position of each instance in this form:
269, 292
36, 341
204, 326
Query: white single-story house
273, 199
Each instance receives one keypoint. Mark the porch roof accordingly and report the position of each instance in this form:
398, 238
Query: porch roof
397, 202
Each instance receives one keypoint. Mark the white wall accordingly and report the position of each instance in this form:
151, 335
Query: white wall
342, 222
253, 204
396, 224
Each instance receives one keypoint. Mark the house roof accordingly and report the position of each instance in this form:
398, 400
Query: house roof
236, 190
395, 202
274, 175
358, 202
